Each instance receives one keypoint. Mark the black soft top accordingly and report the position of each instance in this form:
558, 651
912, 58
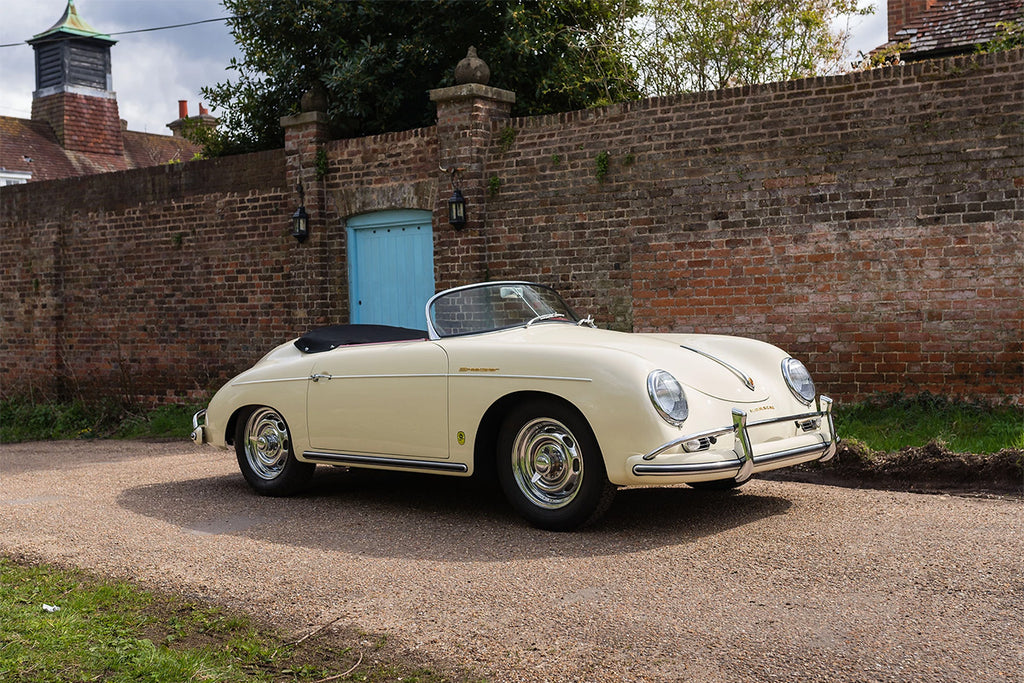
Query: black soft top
333, 336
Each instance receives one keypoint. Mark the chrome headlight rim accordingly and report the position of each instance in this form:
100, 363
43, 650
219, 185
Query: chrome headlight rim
796, 373
662, 384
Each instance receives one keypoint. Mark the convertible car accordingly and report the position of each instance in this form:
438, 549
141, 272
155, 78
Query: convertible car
508, 379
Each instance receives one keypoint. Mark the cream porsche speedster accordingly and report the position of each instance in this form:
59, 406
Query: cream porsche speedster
507, 378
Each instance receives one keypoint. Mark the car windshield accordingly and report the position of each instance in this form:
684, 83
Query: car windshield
494, 306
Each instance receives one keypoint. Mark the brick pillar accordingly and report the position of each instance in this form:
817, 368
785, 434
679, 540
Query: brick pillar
304, 136
465, 114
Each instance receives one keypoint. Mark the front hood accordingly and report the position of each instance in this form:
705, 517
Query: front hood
717, 366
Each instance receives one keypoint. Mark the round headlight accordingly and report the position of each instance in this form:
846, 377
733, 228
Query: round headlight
667, 396
798, 379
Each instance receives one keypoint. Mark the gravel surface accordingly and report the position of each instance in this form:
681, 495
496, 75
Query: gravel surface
777, 581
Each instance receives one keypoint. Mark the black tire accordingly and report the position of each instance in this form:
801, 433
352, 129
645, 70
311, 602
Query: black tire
263, 447
550, 466
717, 484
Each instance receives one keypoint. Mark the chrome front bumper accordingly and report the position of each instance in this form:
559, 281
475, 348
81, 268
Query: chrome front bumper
742, 467
198, 434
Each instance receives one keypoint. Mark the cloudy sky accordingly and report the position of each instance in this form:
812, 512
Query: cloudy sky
153, 70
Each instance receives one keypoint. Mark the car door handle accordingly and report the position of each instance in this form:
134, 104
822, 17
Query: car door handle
316, 377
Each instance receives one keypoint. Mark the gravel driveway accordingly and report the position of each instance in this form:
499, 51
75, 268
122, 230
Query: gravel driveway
778, 581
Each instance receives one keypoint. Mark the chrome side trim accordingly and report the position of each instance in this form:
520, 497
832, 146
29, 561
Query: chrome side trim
410, 375
381, 461
747, 380
449, 375
270, 381
538, 377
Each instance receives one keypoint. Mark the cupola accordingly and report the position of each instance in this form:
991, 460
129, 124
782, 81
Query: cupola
73, 85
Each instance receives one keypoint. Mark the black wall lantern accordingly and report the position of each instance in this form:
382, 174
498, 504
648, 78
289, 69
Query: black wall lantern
456, 204
300, 219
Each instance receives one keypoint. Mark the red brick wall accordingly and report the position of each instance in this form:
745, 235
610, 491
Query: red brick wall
872, 224
82, 123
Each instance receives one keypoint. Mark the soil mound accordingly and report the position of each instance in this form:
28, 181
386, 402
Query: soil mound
932, 468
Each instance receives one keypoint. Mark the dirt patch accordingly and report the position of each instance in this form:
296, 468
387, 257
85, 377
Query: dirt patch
929, 469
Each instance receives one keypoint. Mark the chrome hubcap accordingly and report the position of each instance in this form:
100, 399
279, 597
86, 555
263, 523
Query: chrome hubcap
547, 463
266, 443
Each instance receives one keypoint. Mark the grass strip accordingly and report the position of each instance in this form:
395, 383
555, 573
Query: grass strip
60, 625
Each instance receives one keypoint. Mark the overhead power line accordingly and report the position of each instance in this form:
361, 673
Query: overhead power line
145, 30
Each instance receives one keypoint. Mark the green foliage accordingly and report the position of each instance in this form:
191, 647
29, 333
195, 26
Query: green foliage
693, 45
1009, 36
168, 421
889, 422
25, 420
321, 164
494, 185
376, 60
508, 138
601, 163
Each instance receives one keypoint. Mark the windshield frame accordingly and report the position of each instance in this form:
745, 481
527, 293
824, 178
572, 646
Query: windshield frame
434, 333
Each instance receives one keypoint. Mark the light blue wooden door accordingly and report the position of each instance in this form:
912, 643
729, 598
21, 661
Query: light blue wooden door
390, 267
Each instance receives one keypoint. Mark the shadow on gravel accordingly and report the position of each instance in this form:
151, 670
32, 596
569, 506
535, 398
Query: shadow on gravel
428, 517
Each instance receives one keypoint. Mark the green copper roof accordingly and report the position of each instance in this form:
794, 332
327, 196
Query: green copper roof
74, 25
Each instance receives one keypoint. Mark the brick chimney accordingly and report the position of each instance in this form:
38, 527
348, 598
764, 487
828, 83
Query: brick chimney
903, 12
73, 86
204, 119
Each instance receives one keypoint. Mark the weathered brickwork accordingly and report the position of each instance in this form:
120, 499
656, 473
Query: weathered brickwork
97, 125
872, 224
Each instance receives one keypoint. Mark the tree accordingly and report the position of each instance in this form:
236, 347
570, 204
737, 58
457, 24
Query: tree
693, 45
376, 60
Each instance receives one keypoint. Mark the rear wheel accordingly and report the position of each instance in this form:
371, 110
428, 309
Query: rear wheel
263, 447
550, 467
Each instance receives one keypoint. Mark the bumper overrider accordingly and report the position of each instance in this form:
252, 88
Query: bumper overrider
198, 434
742, 467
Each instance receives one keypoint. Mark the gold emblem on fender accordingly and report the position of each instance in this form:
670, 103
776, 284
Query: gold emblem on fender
761, 408
478, 369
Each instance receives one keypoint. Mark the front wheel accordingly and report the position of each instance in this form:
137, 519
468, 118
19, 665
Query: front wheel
263, 447
550, 467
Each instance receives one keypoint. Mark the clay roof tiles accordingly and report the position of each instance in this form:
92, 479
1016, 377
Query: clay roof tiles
30, 146
956, 26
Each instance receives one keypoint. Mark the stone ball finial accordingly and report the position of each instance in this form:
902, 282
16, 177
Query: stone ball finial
472, 69
314, 99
